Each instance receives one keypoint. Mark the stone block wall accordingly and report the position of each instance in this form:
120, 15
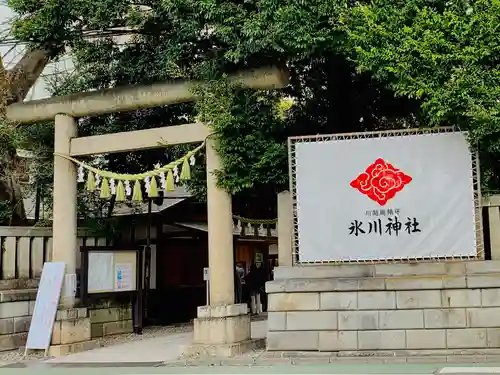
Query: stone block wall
110, 318
17, 302
71, 326
387, 307
16, 308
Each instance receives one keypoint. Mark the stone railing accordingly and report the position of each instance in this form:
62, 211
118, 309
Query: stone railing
25, 249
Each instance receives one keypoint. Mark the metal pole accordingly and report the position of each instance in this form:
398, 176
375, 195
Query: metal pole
206, 278
207, 283
38, 201
147, 261
138, 307
138, 324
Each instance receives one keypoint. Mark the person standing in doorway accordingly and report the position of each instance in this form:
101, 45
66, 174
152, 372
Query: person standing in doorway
240, 280
256, 283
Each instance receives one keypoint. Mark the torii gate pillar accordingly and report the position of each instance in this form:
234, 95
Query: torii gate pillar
220, 235
223, 327
64, 232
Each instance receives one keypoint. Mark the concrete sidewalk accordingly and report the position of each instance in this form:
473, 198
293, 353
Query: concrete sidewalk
151, 350
160, 354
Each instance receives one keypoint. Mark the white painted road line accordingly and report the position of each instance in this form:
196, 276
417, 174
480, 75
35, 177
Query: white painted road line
469, 370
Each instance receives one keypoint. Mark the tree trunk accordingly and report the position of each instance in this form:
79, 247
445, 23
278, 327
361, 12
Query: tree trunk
14, 87
25, 73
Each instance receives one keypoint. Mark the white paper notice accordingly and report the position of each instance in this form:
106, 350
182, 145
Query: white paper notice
123, 276
100, 278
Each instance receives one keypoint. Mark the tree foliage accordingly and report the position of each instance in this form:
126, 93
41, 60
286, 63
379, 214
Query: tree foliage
446, 54
353, 67
249, 129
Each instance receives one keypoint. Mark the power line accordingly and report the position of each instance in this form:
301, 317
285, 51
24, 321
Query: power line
13, 44
86, 35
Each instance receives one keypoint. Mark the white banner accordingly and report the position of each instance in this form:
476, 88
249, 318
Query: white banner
385, 198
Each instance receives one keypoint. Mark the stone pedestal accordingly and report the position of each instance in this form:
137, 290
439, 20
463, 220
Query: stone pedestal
222, 331
399, 309
71, 332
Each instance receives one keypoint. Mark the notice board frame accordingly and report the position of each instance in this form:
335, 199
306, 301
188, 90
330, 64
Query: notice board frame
136, 295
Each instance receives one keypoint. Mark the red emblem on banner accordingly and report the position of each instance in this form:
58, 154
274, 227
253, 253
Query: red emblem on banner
381, 181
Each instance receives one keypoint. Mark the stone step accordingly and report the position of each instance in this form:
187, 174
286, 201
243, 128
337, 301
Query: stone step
19, 284
449, 268
65, 349
222, 350
388, 283
13, 295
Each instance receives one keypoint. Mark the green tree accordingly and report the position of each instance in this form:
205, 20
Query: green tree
443, 53
14, 86
47, 28
206, 39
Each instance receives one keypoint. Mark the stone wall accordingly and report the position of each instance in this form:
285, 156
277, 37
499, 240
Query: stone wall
71, 332
16, 308
110, 318
17, 302
386, 307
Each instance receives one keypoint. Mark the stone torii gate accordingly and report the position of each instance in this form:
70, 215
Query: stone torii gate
222, 328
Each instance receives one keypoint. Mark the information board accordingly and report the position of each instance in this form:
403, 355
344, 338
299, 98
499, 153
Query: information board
111, 271
47, 300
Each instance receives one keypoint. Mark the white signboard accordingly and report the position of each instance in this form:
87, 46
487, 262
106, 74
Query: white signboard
47, 300
396, 197
123, 277
205, 274
100, 277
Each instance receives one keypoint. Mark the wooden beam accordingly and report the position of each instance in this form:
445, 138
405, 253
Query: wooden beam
138, 139
132, 97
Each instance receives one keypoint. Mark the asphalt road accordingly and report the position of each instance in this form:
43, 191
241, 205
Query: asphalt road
337, 369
